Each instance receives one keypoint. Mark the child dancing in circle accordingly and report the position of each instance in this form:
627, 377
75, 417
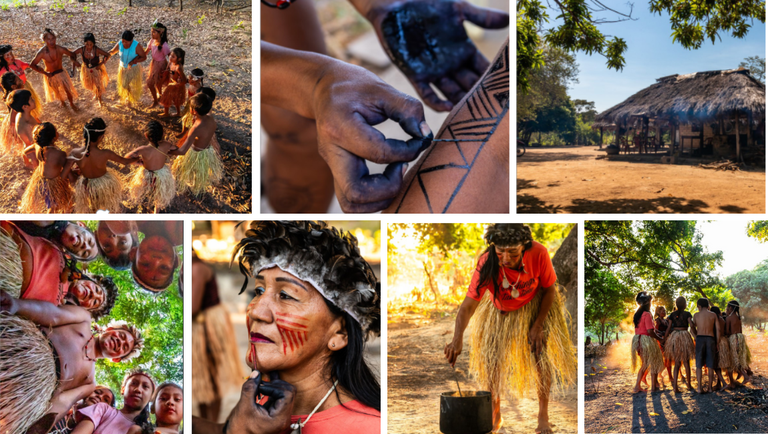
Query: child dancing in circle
194, 84
202, 167
48, 190
153, 180
175, 94
9, 63
159, 50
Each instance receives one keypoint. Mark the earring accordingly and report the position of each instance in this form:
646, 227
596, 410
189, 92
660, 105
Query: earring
333, 345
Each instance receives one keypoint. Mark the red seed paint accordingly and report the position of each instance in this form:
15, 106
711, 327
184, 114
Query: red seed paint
293, 331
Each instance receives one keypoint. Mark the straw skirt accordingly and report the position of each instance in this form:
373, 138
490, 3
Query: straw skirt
94, 79
158, 188
11, 272
724, 354
10, 143
38, 111
45, 196
175, 94
196, 170
649, 352
741, 356
57, 87
215, 358
500, 357
129, 84
680, 346
27, 374
103, 193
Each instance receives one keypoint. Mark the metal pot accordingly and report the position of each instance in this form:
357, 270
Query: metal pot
470, 413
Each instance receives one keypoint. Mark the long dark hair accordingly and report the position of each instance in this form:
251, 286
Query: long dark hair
644, 300
4, 49
350, 367
501, 234
8, 80
489, 272
163, 33
142, 420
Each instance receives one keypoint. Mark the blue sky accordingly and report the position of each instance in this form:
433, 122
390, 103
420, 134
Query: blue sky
651, 54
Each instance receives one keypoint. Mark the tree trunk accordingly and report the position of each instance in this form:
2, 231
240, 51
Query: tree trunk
431, 282
566, 266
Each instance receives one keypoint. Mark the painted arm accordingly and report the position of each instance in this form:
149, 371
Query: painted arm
467, 172
453, 348
346, 101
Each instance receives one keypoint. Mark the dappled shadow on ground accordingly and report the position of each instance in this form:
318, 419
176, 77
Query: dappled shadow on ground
537, 155
527, 203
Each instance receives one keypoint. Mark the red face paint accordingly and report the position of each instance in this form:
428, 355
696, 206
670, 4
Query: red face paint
293, 331
251, 356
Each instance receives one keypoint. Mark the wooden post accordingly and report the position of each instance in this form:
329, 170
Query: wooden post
749, 129
701, 139
738, 145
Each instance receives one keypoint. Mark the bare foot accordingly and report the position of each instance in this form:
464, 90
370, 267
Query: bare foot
544, 426
677, 390
154, 104
638, 389
689, 386
698, 390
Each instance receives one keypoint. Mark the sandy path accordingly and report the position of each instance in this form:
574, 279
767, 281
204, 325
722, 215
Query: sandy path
418, 373
572, 180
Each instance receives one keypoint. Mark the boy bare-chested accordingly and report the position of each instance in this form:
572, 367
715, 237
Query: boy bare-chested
23, 104
705, 329
76, 349
58, 85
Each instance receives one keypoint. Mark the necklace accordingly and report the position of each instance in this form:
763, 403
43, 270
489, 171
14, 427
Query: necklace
296, 427
505, 283
85, 349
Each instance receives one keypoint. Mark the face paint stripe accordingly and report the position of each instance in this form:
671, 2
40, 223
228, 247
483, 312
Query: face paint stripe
291, 323
298, 336
282, 337
290, 338
288, 315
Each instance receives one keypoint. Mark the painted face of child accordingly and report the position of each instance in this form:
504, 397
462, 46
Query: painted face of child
289, 323
114, 239
155, 261
79, 241
169, 406
510, 256
90, 295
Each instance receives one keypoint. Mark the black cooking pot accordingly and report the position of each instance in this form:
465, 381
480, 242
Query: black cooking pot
469, 413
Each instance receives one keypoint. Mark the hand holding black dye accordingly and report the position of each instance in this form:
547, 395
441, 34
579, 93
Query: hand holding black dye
271, 417
426, 40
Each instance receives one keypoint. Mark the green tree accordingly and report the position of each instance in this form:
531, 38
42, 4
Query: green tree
758, 229
750, 287
606, 302
692, 22
756, 67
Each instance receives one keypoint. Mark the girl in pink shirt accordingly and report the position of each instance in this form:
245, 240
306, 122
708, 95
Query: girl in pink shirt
643, 343
159, 49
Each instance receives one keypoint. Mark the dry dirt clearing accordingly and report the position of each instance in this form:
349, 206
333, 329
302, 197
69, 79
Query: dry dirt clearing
418, 373
220, 44
572, 180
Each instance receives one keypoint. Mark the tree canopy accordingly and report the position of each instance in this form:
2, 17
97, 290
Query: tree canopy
756, 67
691, 22
751, 289
160, 319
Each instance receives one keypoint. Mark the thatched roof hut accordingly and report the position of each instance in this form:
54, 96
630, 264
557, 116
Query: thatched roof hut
697, 97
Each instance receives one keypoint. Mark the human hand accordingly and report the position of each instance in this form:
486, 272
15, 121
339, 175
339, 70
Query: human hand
536, 339
452, 351
249, 417
348, 101
8, 304
426, 40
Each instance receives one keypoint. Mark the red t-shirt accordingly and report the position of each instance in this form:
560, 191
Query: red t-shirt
17, 67
646, 323
537, 273
356, 418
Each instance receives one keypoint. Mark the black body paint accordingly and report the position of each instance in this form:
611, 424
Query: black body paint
423, 42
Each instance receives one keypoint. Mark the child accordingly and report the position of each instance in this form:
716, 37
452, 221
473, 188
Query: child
723, 352
48, 191
93, 73
9, 63
660, 325
202, 167
129, 73
188, 119
58, 85
159, 49
705, 330
741, 356
168, 408
153, 179
98, 188
9, 141
21, 102
195, 83
175, 93
643, 344
679, 347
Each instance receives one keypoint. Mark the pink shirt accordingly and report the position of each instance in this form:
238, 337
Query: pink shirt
646, 322
106, 419
159, 53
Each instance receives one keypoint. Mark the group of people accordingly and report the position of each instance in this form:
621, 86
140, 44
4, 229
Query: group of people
712, 338
48, 309
79, 180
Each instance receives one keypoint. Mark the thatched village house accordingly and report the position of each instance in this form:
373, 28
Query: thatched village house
718, 113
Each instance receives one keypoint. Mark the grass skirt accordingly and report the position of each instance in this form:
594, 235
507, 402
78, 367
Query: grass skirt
157, 74
196, 170
45, 196
129, 85
11, 272
680, 346
27, 374
94, 79
103, 193
175, 94
500, 358
157, 187
187, 118
741, 356
651, 354
215, 358
10, 143
56, 87
724, 354
38, 111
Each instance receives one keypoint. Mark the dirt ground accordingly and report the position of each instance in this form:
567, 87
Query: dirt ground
220, 44
418, 373
610, 407
572, 180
